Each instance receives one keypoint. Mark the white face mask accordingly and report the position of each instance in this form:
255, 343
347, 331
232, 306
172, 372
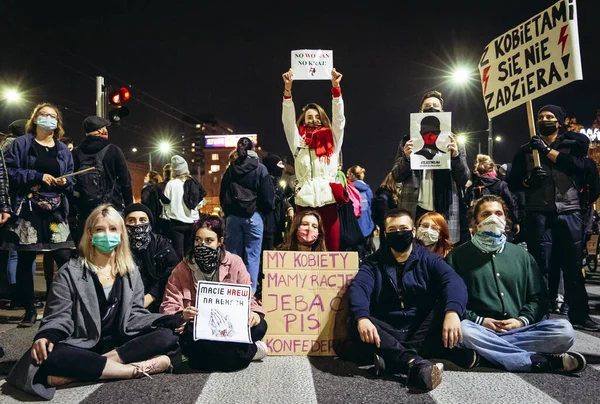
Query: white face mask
427, 236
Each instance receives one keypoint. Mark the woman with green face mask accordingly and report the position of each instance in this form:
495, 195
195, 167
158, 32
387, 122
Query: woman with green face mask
95, 325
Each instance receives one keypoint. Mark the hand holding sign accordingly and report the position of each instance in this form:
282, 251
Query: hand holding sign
335, 78
287, 82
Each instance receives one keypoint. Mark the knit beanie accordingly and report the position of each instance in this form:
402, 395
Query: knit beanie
138, 207
179, 165
559, 112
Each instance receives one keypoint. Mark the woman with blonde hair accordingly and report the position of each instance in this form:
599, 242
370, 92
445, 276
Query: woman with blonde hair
95, 326
38, 164
432, 232
488, 183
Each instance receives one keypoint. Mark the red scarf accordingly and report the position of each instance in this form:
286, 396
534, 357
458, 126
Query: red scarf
318, 139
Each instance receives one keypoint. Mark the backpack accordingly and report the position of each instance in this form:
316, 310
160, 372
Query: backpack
193, 193
476, 192
91, 187
354, 195
241, 201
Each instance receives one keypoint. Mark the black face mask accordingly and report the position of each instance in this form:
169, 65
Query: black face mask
207, 258
399, 240
431, 110
546, 128
139, 236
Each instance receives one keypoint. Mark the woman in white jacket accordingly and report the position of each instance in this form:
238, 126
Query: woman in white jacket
316, 142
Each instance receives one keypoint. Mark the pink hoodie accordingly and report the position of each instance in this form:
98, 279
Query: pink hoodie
180, 291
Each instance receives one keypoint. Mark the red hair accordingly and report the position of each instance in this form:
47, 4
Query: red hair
443, 246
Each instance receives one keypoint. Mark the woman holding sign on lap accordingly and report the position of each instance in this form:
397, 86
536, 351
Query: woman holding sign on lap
209, 261
316, 143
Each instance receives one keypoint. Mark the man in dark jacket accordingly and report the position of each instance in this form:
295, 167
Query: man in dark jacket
554, 220
115, 169
508, 301
406, 304
153, 254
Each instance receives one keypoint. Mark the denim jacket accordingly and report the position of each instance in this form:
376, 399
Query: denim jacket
20, 160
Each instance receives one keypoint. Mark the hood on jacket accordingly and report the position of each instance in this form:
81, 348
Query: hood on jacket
361, 185
243, 167
93, 144
485, 181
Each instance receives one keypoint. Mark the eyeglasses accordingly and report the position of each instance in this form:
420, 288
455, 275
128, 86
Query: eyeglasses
46, 115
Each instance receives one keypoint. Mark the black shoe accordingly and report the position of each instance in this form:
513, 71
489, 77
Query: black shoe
564, 309
29, 319
465, 358
568, 362
13, 306
379, 365
38, 304
587, 325
423, 375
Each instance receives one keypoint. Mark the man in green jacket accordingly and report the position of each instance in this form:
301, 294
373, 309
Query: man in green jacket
506, 318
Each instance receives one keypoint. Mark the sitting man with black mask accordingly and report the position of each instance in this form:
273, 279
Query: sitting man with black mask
153, 254
406, 304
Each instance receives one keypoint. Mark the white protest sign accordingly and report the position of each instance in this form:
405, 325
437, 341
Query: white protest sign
223, 312
430, 135
311, 64
532, 59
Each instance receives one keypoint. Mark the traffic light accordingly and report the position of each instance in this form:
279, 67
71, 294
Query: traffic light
117, 98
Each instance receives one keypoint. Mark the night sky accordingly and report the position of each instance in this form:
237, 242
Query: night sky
227, 60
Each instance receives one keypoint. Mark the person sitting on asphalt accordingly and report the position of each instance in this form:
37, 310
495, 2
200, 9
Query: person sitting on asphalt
209, 261
505, 320
153, 254
306, 233
95, 326
406, 305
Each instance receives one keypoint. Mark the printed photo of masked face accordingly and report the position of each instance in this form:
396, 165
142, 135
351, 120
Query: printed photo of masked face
430, 131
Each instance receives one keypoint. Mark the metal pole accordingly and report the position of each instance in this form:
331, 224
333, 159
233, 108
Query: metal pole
479, 146
100, 97
150, 161
490, 138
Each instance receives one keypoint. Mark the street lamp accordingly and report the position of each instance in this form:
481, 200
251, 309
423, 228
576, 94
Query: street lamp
164, 147
460, 76
498, 138
134, 150
11, 95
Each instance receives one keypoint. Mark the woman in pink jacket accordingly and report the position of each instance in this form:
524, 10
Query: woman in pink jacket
209, 261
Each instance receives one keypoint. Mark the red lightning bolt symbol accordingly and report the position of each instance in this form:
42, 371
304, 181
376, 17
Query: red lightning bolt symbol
562, 38
486, 76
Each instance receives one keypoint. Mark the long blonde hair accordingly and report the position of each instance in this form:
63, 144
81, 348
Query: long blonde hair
484, 164
123, 262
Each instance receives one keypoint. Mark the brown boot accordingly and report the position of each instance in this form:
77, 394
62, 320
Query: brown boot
158, 364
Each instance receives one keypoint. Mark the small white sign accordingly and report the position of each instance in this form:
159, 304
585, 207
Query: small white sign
430, 133
223, 312
311, 64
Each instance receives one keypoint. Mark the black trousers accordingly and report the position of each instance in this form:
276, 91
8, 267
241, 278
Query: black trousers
181, 237
555, 241
25, 285
398, 346
87, 365
220, 356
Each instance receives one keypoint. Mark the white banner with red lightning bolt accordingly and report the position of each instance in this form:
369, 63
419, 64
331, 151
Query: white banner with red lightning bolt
532, 59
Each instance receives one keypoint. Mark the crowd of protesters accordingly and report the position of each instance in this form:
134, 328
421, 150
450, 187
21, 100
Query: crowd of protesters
443, 272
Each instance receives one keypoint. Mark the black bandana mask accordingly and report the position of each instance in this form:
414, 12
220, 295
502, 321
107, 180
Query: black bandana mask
207, 258
139, 236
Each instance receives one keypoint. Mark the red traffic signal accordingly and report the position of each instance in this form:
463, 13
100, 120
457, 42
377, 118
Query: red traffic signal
119, 96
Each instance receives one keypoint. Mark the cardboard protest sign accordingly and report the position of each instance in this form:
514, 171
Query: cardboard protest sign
303, 294
223, 312
532, 59
309, 64
430, 135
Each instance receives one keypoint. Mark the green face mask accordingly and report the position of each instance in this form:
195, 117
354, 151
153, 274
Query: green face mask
106, 242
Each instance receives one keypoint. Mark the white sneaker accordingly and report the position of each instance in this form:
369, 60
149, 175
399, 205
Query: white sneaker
261, 350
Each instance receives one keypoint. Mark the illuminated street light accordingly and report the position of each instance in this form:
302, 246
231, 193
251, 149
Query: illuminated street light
461, 138
134, 150
461, 75
164, 147
498, 138
12, 95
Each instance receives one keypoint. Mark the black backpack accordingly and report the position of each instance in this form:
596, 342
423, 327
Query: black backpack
92, 187
193, 193
476, 192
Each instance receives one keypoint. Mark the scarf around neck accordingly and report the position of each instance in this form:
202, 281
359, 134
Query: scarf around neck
320, 140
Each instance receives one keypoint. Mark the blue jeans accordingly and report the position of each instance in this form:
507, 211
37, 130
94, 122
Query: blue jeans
513, 349
243, 237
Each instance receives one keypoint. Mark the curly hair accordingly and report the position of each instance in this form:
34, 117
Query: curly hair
485, 199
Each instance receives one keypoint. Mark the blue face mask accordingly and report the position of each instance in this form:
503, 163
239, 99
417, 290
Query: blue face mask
47, 122
106, 242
